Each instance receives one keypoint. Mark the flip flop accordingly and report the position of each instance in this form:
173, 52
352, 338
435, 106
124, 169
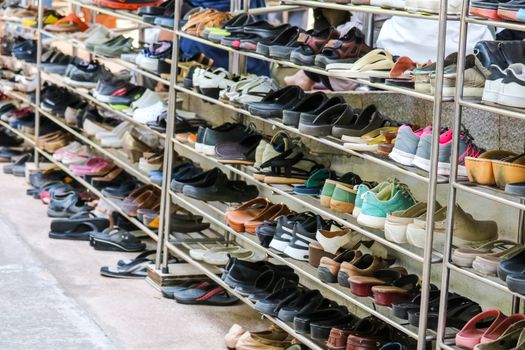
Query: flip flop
77, 229
210, 295
70, 23
137, 268
144, 254
168, 292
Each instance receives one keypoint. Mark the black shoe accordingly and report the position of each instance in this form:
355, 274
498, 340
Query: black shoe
56, 100
9, 139
219, 188
303, 304
308, 104
302, 322
110, 85
272, 105
84, 74
121, 191
275, 301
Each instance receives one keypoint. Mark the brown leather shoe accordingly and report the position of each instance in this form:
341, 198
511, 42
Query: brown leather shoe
329, 268
347, 49
366, 265
316, 253
312, 43
237, 217
269, 214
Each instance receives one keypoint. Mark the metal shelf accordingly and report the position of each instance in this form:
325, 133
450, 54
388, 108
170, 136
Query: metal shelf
488, 280
183, 253
328, 141
312, 204
302, 268
501, 110
493, 194
499, 24
109, 153
382, 86
367, 9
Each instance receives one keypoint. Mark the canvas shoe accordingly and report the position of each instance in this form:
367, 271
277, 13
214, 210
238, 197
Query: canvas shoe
362, 189
423, 153
150, 113
396, 222
406, 144
376, 206
512, 87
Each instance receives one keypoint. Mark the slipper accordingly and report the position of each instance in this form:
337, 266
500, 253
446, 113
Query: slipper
137, 268
471, 334
168, 291
70, 23
116, 240
377, 63
464, 257
77, 229
210, 295
315, 182
144, 254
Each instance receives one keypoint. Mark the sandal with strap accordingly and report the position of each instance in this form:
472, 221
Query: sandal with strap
288, 168
68, 24
77, 229
135, 268
377, 63
63, 205
211, 294
116, 240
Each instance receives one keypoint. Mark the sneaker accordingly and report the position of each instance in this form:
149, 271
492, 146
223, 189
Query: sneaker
150, 113
208, 138
56, 99
86, 74
153, 57
511, 87
376, 206
362, 189
474, 80
493, 83
422, 157
284, 230
406, 144
109, 85
303, 234
396, 222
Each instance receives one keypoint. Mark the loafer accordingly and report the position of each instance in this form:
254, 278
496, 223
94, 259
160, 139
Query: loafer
305, 303
275, 301
302, 322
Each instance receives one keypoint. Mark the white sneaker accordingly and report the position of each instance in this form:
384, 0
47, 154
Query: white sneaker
149, 114
117, 131
147, 99
91, 128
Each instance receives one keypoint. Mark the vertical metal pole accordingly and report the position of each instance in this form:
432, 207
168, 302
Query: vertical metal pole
521, 227
445, 277
142, 40
40, 16
369, 29
432, 185
165, 202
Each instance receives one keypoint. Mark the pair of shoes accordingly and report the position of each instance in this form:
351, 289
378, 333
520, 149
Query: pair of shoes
219, 256
213, 185
133, 268
339, 194
250, 215
496, 168
413, 148
499, 331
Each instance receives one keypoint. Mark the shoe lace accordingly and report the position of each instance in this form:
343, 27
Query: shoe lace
402, 187
472, 149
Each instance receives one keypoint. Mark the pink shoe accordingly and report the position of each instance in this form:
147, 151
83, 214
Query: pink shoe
470, 335
233, 336
95, 166
496, 330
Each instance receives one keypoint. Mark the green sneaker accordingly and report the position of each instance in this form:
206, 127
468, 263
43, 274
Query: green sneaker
343, 198
349, 179
377, 205
362, 190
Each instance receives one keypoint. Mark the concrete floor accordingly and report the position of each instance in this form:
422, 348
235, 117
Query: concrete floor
52, 296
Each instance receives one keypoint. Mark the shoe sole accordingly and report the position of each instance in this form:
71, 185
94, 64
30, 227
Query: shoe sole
484, 13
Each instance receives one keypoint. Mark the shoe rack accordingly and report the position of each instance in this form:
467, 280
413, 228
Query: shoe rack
512, 202
214, 212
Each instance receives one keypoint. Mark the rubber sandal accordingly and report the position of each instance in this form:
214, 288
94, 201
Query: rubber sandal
377, 63
70, 23
116, 240
470, 335
284, 169
77, 229
315, 182
198, 283
362, 285
136, 268
209, 295
237, 217
144, 254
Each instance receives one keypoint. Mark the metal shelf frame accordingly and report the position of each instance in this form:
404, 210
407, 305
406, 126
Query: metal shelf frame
426, 257
456, 184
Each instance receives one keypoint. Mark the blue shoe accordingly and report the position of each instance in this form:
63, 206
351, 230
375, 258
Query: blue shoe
376, 206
